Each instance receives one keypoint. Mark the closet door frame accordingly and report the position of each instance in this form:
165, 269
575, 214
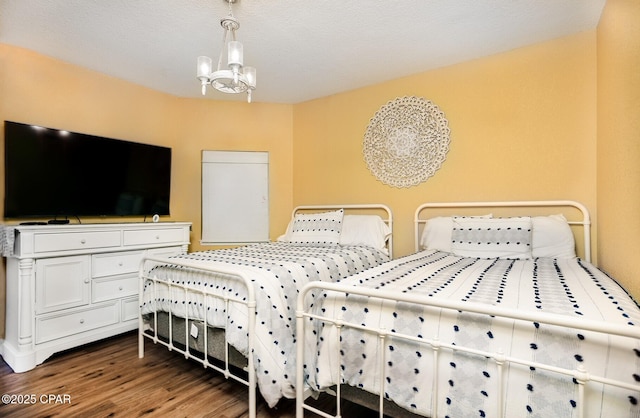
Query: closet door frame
235, 197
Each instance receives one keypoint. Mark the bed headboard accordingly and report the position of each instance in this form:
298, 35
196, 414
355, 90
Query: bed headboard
576, 213
355, 209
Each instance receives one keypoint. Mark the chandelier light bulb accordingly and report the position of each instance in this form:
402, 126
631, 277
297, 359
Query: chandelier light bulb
250, 75
234, 56
204, 72
204, 66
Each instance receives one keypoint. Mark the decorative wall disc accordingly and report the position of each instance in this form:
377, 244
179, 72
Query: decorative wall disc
406, 141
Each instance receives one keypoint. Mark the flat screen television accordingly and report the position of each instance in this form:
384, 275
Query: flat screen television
60, 174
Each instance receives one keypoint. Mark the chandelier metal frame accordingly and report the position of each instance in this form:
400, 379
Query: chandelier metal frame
236, 78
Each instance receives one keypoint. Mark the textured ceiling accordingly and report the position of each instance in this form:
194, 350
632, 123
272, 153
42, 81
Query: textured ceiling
302, 49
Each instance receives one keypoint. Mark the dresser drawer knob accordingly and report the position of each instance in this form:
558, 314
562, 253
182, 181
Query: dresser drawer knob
82, 321
83, 241
120, 288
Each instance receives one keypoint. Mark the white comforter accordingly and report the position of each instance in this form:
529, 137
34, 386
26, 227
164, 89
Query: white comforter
278, 271
468, 383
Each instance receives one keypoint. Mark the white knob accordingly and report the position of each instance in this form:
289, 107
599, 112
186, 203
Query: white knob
83, 241
82, 321
120, 288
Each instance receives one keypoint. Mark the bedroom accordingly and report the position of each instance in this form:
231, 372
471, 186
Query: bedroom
552, 120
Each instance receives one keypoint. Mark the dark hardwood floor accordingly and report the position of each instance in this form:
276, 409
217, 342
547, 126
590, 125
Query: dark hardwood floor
107, 379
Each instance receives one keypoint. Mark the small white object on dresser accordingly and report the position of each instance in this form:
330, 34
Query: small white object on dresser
69, 285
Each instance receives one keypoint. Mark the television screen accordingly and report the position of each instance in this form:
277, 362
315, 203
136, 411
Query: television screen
55, 173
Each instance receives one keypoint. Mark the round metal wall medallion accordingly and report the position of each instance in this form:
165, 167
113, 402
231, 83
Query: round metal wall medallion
406, 141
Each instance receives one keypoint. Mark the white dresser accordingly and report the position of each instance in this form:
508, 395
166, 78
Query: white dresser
68, 285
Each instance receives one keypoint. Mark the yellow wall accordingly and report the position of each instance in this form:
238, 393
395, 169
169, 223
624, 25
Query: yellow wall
556, 120
523, 126
618, 182
39, 90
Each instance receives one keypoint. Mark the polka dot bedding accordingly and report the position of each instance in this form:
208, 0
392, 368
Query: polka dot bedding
277, 271
468, 382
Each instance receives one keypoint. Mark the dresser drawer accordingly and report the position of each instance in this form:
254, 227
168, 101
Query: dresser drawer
153, 236
114, 287
115, 263
45, 242
57, 326
130, 309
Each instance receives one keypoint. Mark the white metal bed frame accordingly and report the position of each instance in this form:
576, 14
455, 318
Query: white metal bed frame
250, 303
581, 375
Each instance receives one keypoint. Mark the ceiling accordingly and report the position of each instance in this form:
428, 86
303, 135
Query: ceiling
302, 49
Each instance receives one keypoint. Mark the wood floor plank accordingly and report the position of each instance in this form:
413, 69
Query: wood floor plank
107, 379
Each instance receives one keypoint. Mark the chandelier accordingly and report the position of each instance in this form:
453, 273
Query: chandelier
235, 78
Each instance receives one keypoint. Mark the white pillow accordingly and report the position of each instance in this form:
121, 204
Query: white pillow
367, 230
317, 228
286, 237
552, 237
436, 234
492, 238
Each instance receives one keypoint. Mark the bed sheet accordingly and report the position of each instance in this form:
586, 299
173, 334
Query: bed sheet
467, 383
278, 272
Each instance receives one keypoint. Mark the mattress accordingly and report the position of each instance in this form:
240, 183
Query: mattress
278, 270
192, 333
468, 382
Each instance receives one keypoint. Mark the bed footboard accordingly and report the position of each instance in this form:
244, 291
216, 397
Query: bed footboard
499, 364
186, 324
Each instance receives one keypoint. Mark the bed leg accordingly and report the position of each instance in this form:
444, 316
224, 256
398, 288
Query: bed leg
140, 344
253, 384
252, 402
299, 361
140, 300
